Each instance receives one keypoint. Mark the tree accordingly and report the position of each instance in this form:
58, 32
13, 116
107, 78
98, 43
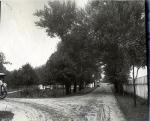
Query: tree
80, 49
114, 24
42, 74
61, 70
2, 62
136, 49
13, 79
135, 45
28, 75
57, 18
106, 32
69, 22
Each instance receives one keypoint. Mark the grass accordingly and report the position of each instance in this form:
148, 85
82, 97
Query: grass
138, 113
36, 93
55, 93
6, 116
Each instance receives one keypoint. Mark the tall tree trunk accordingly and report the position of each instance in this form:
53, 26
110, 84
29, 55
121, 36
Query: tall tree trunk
70, 89
116, 85
63, 89
134, 94
67, 87
120, 88
81, 85
75, 86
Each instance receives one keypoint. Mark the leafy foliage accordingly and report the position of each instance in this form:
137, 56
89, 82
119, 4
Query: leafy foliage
57, 17
106, 33
25, 76
2, 62
119, 28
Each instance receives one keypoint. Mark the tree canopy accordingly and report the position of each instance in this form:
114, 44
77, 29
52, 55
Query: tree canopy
106, 33
25, 76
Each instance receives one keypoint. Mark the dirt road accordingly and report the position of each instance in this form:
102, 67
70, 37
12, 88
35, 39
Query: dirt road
99, 105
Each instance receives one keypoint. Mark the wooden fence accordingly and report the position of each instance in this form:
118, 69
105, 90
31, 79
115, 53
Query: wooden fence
141, 87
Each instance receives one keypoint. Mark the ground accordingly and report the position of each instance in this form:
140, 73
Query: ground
138, 113
99, 105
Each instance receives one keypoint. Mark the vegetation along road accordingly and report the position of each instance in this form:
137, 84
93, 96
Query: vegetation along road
99, 105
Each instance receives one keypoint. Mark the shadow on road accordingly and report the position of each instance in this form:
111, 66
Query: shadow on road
101, 93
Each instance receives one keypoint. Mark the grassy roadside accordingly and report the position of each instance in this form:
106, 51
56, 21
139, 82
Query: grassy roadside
82, 92
55, 93
6, 116
139, 113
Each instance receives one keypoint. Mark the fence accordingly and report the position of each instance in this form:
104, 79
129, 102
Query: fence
141, 87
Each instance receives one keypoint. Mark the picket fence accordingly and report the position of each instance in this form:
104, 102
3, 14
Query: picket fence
141, 85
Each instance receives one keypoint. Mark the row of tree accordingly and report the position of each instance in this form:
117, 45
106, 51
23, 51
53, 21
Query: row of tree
23, 77
74, 62
105, 33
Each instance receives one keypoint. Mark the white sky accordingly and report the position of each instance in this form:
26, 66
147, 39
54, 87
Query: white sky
142, 72
21, 41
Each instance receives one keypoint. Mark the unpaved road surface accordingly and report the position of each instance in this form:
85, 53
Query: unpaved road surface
99, 105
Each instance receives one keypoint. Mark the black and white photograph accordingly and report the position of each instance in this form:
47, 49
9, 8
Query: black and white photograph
74, 60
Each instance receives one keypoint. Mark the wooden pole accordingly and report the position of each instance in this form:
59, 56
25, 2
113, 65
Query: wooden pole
134, 88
